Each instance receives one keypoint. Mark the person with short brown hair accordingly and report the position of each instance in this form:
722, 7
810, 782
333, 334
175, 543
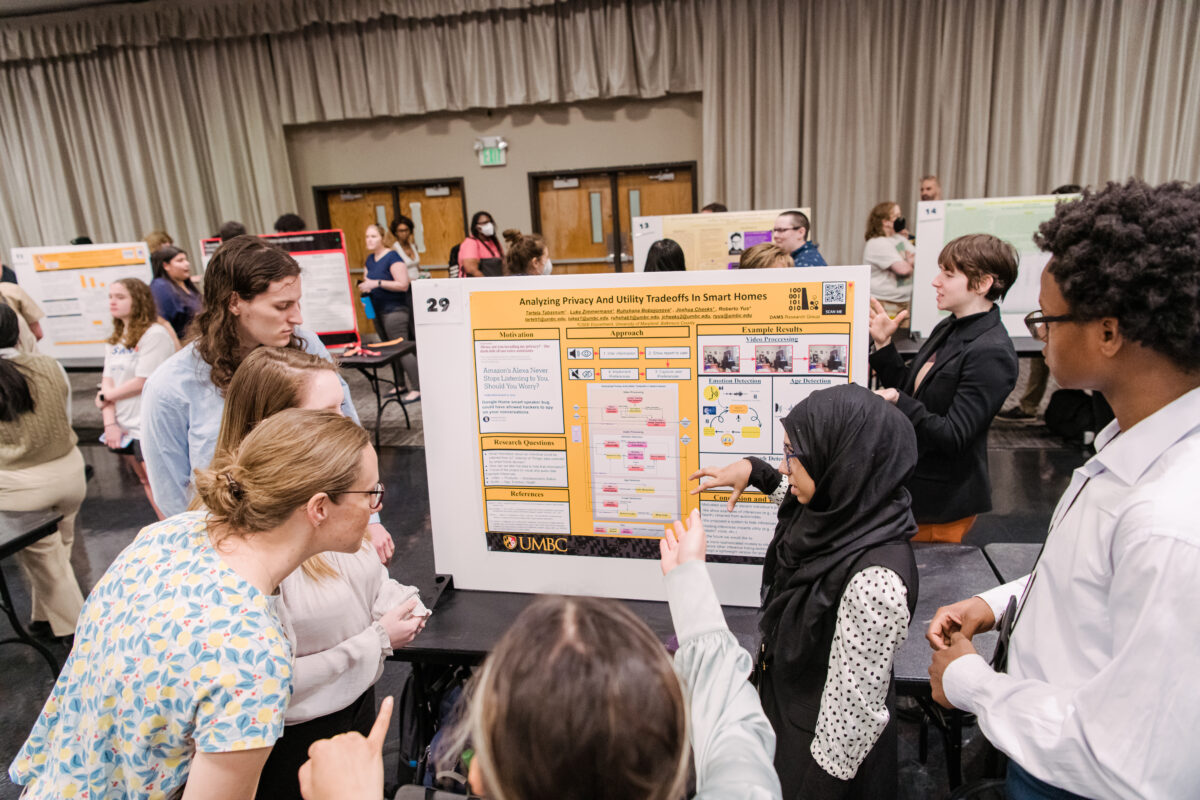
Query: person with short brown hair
930, 188
765, 256
792, 232
958, 381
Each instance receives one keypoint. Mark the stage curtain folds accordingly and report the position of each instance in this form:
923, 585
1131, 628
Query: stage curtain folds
840, 104
123, 118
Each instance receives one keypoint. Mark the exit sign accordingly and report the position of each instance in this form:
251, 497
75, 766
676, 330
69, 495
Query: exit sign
491, 157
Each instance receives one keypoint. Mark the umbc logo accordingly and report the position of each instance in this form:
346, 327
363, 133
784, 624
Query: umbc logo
537, 544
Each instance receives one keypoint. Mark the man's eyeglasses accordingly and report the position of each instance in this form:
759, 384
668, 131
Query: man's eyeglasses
376, 496
785, 230
1039, 324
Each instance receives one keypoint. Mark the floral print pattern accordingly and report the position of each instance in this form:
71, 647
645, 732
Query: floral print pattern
174, 653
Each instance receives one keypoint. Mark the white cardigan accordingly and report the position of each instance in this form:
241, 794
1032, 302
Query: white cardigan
337, 642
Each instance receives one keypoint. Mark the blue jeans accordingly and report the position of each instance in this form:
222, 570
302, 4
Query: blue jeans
1023, 786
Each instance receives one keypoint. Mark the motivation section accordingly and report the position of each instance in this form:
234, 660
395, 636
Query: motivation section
518, 381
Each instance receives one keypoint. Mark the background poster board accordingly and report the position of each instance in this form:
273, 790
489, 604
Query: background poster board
70, 283
708, 240
1014, 219
207, 248
327, 294
561, 443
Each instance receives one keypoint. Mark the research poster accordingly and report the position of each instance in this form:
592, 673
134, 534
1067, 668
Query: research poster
561, 447
1013, 219
709, 241
207, 248
327, 293
70, 283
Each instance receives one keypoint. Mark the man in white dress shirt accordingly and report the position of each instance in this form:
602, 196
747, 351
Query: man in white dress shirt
1101, 698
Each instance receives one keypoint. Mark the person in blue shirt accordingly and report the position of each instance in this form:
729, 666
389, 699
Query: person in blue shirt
791, 233
174, 293
251, 298
388, 285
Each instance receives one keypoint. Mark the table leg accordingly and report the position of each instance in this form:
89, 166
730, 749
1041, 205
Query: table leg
954, 749
373, 379
22, 636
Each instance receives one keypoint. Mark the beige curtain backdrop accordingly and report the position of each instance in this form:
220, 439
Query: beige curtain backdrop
840, 104
124, 118
137, 139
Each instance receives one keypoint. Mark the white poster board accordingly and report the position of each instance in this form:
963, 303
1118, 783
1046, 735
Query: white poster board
564, 415
70, 283
709, 241
1013, 219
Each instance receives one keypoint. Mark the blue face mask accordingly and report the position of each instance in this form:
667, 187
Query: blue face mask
548, 267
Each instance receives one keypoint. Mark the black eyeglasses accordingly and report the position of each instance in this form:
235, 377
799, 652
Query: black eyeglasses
785, 230
1039, 324
376, 496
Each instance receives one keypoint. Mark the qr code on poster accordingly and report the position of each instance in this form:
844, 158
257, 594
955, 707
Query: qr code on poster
833, 293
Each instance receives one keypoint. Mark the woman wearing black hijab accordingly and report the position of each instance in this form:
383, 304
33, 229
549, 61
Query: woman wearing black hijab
839, 587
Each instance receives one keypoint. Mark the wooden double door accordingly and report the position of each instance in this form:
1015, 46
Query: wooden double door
585, 216
437, 208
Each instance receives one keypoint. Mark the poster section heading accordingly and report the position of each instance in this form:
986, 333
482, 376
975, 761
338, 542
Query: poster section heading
708, 241
70, 284
1013, 219
596, 406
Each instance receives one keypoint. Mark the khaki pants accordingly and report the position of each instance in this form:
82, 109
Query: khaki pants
59, 486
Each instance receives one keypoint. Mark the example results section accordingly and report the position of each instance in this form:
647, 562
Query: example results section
595, 406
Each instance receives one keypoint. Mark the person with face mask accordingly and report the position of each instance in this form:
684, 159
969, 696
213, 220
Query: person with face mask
480, 254
891, 257
527, 255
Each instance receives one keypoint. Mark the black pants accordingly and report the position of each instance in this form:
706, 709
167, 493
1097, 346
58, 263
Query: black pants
792, 709
280, 780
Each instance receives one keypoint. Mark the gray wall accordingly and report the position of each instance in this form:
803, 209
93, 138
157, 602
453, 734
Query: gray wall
604, 133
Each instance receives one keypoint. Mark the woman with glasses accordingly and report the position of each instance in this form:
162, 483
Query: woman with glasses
957, 383
343, 613
839, 587
181, 671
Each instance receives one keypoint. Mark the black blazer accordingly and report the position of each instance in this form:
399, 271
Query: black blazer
975, 371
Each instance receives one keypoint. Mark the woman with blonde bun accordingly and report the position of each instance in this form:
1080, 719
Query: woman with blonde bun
181, 672
343, 613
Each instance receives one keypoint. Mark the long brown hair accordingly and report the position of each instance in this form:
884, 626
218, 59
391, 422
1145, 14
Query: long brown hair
257, 486
247, 266
876, 218
143, 313
522, 250
269, 380
578, 693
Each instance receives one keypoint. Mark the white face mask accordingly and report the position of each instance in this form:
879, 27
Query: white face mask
548, 267
487, 229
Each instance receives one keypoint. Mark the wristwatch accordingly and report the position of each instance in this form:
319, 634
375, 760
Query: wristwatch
102, 400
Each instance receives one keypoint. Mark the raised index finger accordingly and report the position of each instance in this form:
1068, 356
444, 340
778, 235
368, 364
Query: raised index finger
380, 728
